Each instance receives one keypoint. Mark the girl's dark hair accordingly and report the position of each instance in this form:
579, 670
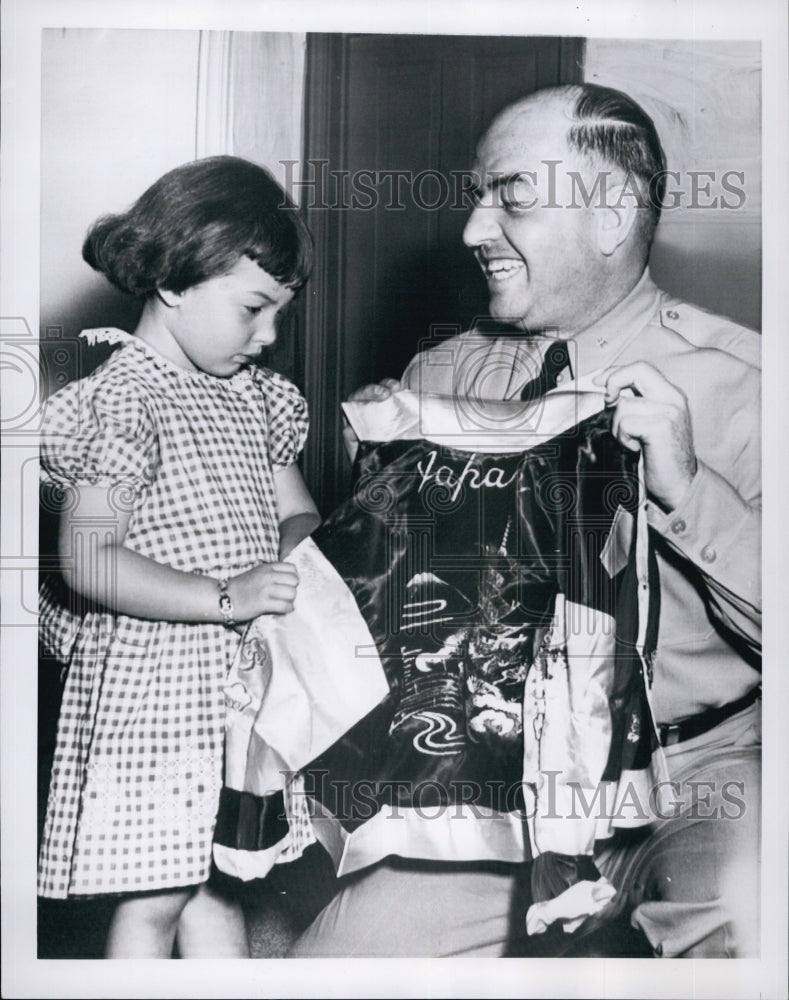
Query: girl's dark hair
194, 223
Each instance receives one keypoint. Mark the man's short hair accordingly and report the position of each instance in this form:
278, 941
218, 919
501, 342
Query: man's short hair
611, 128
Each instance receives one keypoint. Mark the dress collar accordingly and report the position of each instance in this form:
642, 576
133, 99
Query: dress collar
112, 335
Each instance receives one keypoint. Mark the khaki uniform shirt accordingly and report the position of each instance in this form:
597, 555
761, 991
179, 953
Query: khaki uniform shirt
708, 548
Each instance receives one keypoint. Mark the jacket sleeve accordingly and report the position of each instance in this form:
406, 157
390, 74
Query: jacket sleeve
718, 527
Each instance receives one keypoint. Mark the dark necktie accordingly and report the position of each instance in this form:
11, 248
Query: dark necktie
555, 360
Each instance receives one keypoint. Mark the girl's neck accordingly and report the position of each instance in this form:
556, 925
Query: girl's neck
153, 330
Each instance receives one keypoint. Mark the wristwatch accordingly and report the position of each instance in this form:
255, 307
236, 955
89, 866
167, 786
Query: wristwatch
225, 604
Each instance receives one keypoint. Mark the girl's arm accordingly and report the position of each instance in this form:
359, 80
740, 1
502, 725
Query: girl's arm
298, 515
96, 565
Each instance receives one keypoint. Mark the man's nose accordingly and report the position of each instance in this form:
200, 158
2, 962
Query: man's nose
483, 223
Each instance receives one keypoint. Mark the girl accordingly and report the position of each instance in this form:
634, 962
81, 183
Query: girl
182, 496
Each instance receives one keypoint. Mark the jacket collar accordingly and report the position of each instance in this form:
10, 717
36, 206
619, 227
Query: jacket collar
599, 345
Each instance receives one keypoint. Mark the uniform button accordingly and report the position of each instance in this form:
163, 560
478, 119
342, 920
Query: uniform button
678, 526
559, 378
672, 314
708, 554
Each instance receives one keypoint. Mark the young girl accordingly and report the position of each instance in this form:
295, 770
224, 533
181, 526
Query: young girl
177, 458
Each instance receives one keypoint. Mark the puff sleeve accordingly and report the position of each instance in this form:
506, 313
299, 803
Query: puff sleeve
100, 434
287, 415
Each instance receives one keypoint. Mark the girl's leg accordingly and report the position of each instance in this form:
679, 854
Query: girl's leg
212, 925
144, 926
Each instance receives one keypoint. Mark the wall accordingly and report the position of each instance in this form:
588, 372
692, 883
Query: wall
705, 99
119, 108
268, 97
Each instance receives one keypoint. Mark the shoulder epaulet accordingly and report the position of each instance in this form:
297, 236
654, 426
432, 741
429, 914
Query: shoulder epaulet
707, 330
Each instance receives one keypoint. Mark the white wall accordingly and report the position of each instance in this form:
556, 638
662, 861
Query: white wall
268, 99
705, 99
118, 110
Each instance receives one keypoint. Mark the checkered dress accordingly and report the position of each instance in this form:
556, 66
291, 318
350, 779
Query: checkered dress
138, 765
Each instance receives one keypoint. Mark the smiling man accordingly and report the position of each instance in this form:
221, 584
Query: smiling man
548, 252
570, 187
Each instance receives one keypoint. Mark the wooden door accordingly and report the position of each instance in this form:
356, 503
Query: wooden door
391, 127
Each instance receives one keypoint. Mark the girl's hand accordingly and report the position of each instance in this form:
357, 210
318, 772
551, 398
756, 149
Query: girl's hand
267, 589
97, 565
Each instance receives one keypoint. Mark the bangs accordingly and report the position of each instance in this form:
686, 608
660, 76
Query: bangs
283, 248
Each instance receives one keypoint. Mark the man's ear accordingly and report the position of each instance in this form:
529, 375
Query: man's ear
170, 299
615, 219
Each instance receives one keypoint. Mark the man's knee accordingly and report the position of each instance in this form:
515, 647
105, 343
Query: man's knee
691, 882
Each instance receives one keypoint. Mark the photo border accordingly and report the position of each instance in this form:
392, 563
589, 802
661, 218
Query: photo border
23, 974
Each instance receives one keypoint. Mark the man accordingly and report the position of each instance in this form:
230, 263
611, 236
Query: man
571, 181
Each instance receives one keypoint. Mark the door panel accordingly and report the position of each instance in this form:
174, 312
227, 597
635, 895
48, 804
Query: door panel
391, 264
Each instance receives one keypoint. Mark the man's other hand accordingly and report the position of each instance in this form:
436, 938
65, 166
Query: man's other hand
372, 393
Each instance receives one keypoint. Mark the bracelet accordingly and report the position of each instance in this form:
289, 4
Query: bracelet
225, 604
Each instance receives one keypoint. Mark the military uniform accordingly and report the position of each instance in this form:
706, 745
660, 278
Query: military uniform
691, 880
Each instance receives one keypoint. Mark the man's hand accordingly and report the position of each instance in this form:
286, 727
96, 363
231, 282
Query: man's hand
657, 422
372, 393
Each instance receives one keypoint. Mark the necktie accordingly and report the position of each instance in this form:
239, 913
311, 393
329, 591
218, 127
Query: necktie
555, 360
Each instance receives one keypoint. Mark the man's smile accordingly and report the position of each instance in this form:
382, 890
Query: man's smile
500, 268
